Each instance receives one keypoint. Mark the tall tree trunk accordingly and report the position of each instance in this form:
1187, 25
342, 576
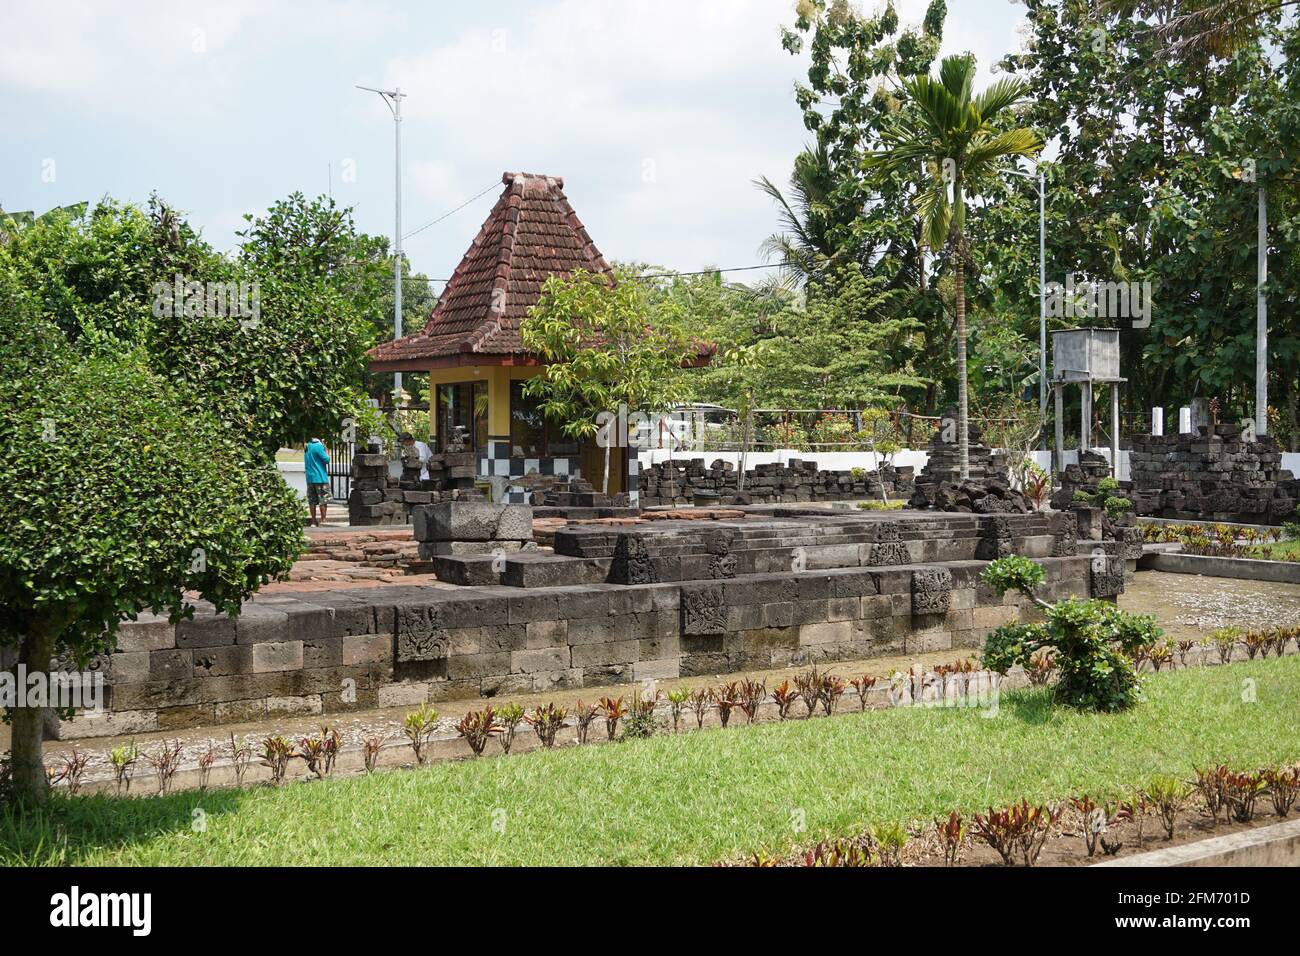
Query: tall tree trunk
27, 760
963, 409
605, 486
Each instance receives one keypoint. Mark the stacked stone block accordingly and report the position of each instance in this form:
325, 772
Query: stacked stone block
472, 527
404, 646
987, 490
1212, 475
618, 603
377, 498
691, 482
1083, 476
577, 493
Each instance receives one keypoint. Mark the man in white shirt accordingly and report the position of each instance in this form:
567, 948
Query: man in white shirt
422, 448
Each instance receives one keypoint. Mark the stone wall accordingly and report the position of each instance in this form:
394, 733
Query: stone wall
1212, 475
377, 498
341, 650
689, 481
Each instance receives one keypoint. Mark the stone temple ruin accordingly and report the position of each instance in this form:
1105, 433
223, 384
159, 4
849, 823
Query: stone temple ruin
987, 490
1213, 474
616, 600
691, 482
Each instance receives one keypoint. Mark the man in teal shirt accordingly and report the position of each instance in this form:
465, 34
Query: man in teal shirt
318, 479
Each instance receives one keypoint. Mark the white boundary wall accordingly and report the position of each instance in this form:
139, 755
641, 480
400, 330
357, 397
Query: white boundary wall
294, 474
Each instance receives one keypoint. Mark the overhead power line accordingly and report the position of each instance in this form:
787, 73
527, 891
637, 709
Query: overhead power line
450, 212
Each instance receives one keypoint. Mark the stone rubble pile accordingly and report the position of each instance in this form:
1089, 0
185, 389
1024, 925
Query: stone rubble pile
577, 493
989, 496
987, 490
1083, 476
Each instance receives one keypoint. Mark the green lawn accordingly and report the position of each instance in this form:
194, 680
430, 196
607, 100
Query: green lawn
698, 797
1285, 550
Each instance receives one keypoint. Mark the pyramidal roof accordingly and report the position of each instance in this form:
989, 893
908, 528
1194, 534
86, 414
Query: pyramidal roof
531, 233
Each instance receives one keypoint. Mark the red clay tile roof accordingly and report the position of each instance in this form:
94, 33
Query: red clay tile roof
531, 233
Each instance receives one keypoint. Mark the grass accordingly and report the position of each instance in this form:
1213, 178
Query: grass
1285, 550
694, 798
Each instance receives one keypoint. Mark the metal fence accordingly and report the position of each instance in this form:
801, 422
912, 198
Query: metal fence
340, 468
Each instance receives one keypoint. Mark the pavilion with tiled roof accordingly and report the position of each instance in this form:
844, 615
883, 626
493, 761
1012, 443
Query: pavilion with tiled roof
531, 233
471, 347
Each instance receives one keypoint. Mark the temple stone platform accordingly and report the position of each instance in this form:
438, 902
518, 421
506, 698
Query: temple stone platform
613, 603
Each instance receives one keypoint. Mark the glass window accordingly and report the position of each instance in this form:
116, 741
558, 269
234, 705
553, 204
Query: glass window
532, 435
527, 425
462, 414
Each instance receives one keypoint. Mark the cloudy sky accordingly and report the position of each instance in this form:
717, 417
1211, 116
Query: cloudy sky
657, 113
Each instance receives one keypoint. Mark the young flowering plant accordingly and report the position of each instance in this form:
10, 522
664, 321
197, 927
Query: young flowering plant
1094, 642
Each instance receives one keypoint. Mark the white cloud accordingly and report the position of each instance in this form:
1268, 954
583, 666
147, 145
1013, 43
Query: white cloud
658, 115
153, 58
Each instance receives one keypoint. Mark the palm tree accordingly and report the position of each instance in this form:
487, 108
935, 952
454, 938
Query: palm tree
1194, 29
959, 139
802, 247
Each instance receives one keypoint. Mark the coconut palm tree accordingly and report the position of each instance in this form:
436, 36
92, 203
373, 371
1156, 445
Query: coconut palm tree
959, 138
1195, 29
803, 246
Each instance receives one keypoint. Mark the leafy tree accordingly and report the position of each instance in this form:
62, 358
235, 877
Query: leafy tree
846, 103
140, 432
290, 373
961, 138
605, 348
1152, 182
805, 248
418, 301
856, 62
842, 349
737, 318
303, 240
1195, 30
120, 497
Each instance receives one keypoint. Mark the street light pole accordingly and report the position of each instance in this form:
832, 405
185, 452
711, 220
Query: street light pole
1261, 318
1042, 292
393, 100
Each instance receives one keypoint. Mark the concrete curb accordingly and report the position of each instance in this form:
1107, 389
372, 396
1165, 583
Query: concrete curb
1276, 845
1251, 569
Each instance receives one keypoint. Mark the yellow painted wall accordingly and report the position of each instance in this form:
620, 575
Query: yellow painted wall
498, 378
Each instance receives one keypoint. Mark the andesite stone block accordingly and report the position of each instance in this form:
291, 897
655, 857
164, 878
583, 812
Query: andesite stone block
277, 656
472, 521
931, 590
205, 631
